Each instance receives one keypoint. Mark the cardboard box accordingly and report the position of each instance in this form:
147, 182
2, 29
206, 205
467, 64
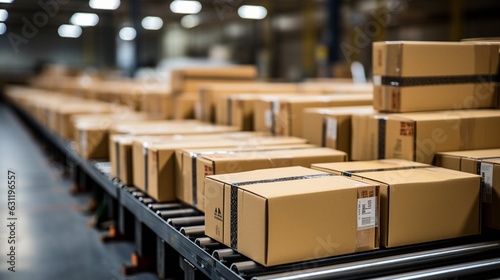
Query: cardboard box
331, 127
158, 104
209, 93
418, 203
284, 215
186, 160
419, 136
246, 161
184, 106
121, 161
157, 170
190, 79
487, 164
407, 75
284, 115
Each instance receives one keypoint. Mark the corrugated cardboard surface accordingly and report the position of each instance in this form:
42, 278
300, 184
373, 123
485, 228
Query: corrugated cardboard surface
420, 204
331, 127
280, 207
186, 160
487, 164
419, 136
434, 59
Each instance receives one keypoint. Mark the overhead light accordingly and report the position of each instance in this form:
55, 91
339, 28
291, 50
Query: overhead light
185, 7
3, 15
104, 4
152, 23
69, 31
190, 21
127, 33
84, 19
252, 12
3, 28
6, 1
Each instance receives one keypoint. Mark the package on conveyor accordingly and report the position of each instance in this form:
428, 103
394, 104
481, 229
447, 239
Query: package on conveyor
190, 180
485, 163
419, 136
210, 93
158, 104
284, 215
428, 76
418, 202
156, 168
331, 127
92, 137
283, 115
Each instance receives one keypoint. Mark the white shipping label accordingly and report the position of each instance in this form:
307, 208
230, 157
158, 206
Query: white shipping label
331, 129
367, 209
268, 118
487, 179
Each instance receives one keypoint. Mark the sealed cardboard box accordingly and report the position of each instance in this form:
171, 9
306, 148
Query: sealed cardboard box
284, 115
408, 75
283, 215
418, 203
485, 163
331, 127
157, 104
186, 160
246, 161
209, 93
419, 136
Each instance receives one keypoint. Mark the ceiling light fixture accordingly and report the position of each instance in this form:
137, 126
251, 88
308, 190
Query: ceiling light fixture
84, 19
3, 15
69, 31
104, 4
3, 28
190, 21
152, 23
127, 33
6, 1
252, 12
185, 7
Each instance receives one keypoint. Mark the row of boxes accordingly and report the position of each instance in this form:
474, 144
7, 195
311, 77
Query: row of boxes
284, 215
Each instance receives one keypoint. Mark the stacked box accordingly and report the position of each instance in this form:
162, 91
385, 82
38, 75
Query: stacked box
485, 163
418, 203
284, 215
430, 76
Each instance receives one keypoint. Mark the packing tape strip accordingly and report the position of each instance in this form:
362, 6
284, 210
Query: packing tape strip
435, 80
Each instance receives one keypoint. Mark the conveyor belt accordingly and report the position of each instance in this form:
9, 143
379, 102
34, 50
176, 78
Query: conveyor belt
182, 228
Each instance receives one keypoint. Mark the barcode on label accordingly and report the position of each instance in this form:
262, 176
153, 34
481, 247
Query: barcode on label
487, 181
367, 212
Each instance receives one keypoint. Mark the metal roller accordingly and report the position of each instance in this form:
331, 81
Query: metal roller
163, 206
194, 231
146, 200
166, 214
187, 221
138, 194
240, 267
227, 255
202, 241
371, 266
131, 189
481, 267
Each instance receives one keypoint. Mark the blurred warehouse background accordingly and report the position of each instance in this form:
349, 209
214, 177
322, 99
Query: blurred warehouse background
288, 40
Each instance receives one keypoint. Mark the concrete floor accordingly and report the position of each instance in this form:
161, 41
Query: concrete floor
53, 240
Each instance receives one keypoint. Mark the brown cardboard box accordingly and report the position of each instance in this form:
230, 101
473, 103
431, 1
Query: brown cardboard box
184, 105
487, 164
285, 215
408, 75
153, 127
123, 160
189, 80
419, 136
245, 161
418, 203
283, 115
186, 160
331, 127
209, 93
158, 104
333, 86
